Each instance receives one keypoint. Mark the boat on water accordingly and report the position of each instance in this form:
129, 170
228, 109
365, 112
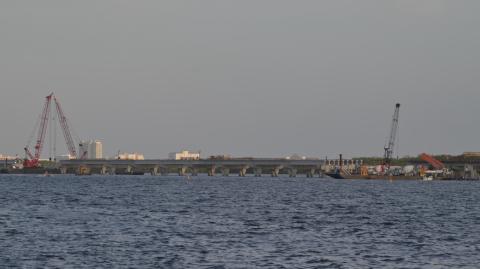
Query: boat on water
434, 175
373, 177
427, 178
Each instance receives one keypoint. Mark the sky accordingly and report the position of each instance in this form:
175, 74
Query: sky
263, 78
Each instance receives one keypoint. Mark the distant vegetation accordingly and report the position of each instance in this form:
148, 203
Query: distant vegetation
397, 161
416, 160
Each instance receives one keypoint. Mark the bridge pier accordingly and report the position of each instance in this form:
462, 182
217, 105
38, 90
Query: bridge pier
63, 170
225, 171
311, 173
113, 171
212, 171
129, 169
243, 171
292, 172
194, 171
182, 171
276, 171
104, 170
154, 171
257, 171
83, 170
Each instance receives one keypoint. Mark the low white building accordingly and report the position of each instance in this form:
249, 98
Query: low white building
65, 157
184, 155
3, 157
91, 150
130, 156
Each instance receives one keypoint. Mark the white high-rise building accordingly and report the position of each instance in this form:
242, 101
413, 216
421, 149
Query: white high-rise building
92, 149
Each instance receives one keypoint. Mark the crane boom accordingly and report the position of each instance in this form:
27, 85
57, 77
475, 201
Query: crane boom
431, 160
32, 160
43, 126
393, 134
66, 130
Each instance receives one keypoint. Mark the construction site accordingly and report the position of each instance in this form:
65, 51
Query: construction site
88, 159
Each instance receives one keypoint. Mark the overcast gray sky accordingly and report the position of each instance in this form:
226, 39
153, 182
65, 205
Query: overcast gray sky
246, 77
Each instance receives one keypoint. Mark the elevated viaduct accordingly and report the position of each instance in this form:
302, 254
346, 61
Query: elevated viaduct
224, 167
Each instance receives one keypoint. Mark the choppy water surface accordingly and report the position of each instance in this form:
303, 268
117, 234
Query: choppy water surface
160, 222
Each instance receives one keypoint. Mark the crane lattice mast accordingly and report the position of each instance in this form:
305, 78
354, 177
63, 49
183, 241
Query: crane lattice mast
32, 160
66, 130
387, 158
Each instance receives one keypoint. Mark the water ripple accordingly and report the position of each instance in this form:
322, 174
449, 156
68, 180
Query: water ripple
169, 222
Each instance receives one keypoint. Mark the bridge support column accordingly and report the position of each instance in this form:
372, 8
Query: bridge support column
104, 170
311, 173
129, 169
113, 171
83, 170
182, 171
154, 171
243, 171
63, 170
225, 172
276, 171
194, 172
292, 172
211, 171
257, 171
164, 171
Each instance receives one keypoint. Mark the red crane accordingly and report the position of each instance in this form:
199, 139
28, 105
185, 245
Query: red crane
65, 128
32, 160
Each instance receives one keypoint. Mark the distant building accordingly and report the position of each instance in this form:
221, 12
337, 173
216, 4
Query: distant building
222, 157
130, 156
64, 157
296, 157
471, 154
184, 155
3, 157
92, 149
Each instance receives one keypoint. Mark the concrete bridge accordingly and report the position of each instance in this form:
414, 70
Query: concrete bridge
212, 167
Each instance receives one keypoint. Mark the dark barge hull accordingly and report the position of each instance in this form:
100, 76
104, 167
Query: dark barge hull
376, 177
34, 171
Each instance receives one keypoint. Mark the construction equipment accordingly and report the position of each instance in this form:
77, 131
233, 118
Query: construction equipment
32, 160
432, 161
387, 158
66, 130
